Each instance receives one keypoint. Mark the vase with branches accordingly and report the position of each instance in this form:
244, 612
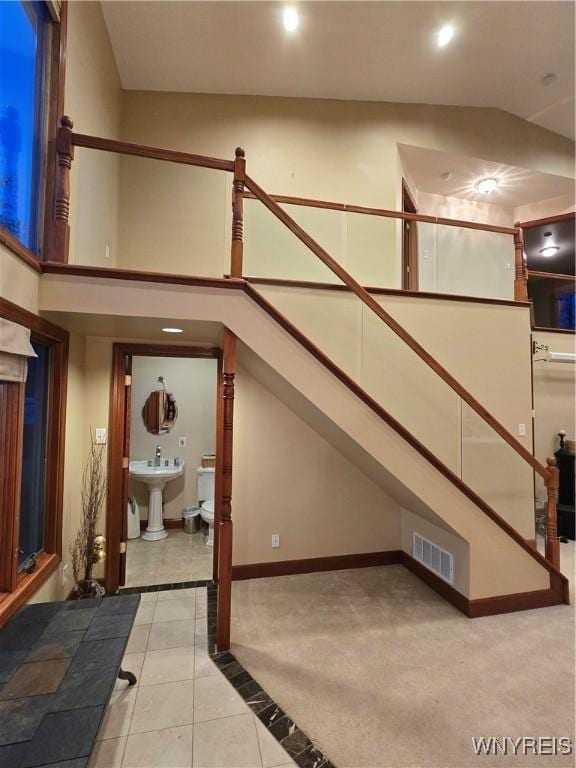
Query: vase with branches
85, 551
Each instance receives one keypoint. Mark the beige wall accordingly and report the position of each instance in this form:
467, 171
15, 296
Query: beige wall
291, 481
554, 398
497, 565
333, 150
193, 382
93, 99
18, 282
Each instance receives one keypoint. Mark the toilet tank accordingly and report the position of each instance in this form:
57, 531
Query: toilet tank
206, 477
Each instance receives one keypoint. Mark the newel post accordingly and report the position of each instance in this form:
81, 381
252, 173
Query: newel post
552, 541
225, 517
520, 266
60, 235
238, 213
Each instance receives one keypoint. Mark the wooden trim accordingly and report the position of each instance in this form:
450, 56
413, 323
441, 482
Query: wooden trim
396, 426
225, 502
384, 212
28, 585
218, 471
11, 440
489, 606
140, 276
60, 232
548, 220
537, 329
56, 339
237, 251
410, 265
445, 590
315, 564
154, 153
396, 327
118, 415
520, 266
56, 112
551, 276
171, 524
401, 292
16, 247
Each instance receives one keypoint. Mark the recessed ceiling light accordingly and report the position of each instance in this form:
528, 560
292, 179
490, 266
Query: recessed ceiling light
447, 175
172, 330
291, 19
486, 185
445, 34
547, 234
551, 250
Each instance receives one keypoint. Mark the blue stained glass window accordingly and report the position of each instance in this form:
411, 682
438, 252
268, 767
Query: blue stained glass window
23, 34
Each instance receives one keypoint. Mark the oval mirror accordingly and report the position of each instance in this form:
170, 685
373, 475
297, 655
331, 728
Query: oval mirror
159, 412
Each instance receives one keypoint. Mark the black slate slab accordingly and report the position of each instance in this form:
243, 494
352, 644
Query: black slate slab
58, 666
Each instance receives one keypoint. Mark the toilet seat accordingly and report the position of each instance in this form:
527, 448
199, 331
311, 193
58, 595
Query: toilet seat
207, 511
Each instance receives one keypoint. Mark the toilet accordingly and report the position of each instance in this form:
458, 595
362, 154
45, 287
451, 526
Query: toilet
206, 477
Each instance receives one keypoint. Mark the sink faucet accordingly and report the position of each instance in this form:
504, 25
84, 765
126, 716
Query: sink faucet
158, 456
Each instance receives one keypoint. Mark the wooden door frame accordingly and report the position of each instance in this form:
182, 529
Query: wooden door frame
116, 523
409, 259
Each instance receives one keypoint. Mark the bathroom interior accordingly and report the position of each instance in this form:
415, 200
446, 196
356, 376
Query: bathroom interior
170, 511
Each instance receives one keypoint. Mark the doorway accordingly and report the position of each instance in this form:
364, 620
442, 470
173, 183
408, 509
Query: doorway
162, 459
409, 242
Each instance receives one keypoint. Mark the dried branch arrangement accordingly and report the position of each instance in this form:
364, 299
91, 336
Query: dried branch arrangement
93, 494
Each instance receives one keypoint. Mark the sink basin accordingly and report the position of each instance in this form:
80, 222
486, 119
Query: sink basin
155, 478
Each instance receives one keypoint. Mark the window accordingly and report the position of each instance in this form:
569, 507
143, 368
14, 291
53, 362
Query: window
25, 40
32, 420
567, 311
34, 457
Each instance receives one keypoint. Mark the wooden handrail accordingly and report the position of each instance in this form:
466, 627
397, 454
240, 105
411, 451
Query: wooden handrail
551, 275
384, 212
409, 340
153, 153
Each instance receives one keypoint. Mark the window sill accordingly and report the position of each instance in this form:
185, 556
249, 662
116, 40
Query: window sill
23, 253
28, 584
543, 329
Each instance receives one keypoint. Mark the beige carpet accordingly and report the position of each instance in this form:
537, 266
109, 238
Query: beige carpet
380, 672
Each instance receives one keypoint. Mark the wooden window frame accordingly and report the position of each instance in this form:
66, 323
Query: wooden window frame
53, 108
16, 588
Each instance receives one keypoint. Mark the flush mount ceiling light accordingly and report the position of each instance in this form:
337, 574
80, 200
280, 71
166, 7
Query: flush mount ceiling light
290, 19
172, 330
551, 250
444, 35
486, 185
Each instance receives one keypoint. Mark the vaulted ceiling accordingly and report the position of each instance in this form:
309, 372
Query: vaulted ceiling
376, 51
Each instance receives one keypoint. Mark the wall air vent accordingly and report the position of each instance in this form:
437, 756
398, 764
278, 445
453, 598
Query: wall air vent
433, 557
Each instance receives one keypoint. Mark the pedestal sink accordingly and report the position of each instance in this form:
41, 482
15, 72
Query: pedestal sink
155, 478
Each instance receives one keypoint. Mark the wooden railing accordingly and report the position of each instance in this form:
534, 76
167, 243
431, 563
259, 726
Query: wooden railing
242, 182
520, 266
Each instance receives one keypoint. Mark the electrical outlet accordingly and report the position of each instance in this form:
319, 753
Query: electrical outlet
182, 442
522, 430
101, 436
65, 573
275, 540
107, 252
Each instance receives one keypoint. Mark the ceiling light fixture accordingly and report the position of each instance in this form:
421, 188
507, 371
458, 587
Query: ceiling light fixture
291, 19
485, 186
445, 34
551, 250
549, 78
172, 330
547, 234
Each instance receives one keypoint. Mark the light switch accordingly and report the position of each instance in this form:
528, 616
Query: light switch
521, 429
182, 442
101, 436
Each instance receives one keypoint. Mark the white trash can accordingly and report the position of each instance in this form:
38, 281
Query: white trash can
192, 519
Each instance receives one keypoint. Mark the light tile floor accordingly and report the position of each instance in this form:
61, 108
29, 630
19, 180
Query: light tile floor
182, 713
179, 557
